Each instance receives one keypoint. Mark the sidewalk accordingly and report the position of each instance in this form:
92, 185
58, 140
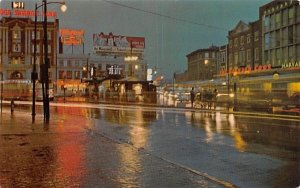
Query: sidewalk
68, 153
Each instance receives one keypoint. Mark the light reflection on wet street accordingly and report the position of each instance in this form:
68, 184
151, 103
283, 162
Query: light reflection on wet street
118, 146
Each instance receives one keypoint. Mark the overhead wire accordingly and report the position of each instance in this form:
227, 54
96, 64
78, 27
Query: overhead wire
183, 20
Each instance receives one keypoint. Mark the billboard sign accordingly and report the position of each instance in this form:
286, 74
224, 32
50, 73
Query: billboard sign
117, 43
72, 36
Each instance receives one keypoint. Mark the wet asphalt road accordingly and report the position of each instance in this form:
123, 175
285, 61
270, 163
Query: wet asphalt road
127, 146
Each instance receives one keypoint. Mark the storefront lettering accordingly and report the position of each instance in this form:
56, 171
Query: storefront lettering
295, 64
246, 70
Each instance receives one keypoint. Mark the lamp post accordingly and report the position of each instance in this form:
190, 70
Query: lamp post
46, 60
1, 90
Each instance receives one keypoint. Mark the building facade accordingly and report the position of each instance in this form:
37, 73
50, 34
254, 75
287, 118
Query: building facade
203, 64
245, 46
17, 51
281, 32
75, 72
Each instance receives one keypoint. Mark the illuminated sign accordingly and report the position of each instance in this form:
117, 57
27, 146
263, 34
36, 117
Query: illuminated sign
246, 70
114, 71
17, 5
72, 36
295, 64
25, 13
118, 43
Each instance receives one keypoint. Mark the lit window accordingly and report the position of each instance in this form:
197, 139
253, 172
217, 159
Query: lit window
16, 34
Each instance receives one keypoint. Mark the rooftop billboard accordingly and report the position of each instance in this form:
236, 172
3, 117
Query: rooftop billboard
116, 43
72, 36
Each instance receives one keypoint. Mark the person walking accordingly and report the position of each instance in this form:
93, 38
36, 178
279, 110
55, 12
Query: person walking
192, 93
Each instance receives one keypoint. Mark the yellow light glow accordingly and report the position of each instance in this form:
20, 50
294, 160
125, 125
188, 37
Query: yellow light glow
63, 8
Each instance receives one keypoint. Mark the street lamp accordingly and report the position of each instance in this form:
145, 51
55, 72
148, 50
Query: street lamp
45, 70
1, 90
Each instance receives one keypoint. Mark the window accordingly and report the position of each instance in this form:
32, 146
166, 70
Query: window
230, 43
61, 74
16, 34
290, 35
291, 53
206, 55
100, 67
242, 57
16, 47
242, 40
236, 40
278, 57
37, 35
256, 33
267, 22
69, 63
37, 48
285, 35
248, 38
285, 17
298, 52
285, 53
278, 20
291, 15
49, 48
272, 40
273, 57
230, 59
61, 63
267, 41
266, 56
256, 54
298, 14
298, 32
76, 63
248, 55
236, 58
69, 74
77, 74
272, 22
278, 38
49, 35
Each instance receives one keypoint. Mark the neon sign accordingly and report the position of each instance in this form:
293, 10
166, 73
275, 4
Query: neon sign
25, 13
72, 36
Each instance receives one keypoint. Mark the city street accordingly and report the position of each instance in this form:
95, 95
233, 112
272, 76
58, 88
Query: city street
102, 145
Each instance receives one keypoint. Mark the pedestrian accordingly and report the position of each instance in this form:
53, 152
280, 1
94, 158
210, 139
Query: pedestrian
12, 106
192, 93
215, 94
